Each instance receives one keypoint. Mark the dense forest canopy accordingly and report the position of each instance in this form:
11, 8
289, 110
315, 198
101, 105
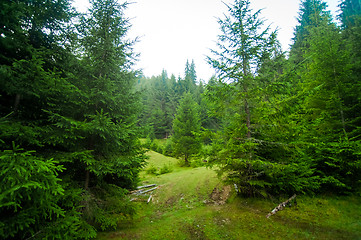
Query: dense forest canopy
73, 110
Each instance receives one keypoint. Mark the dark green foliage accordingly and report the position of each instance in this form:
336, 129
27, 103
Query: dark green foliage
287, 125
249, 62
34, 202
107, 206
78, 109
161, 96
350, 12
160, 100
338, 164
68, 96
29, 192
186, 128
329, 125
311, 12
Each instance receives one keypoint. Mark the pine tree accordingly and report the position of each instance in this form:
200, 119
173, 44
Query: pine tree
325, 100
311, 13
34, 67
250, 67
351, 24
31, 64
186, 129
350, 12
160, 101
190, 73
111, 103
98, 132
188, 84
240, 46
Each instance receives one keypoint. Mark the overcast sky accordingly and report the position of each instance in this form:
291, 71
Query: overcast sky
172, 31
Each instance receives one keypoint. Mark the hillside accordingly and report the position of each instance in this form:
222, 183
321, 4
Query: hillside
191, 203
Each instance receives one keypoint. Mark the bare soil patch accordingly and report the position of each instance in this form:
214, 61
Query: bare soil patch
220, 196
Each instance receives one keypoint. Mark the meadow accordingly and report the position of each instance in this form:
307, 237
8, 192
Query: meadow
193, 203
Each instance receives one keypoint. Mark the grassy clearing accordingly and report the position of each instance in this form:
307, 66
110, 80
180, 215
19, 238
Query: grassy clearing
184, 207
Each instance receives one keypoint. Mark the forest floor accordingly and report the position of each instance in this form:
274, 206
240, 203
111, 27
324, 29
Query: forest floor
192, 203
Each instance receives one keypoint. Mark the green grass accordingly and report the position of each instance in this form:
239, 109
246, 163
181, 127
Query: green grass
182, 209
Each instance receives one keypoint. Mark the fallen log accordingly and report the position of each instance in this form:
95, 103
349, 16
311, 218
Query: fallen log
281, 206
138, 200
145, 191
150, 198
140, 188
147, 186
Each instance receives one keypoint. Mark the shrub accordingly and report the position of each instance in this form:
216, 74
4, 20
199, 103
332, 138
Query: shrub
156, 147
151, 170
166, 168
148, 143
198, 162
168, 148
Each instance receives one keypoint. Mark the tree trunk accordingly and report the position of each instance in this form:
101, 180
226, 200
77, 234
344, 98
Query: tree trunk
281, 206
17, 102
87, 177
248, 118
186, 160
340, 102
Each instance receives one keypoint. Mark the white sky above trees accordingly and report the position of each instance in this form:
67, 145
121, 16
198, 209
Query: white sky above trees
172, 31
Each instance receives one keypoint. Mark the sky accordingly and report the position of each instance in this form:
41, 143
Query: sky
173, 31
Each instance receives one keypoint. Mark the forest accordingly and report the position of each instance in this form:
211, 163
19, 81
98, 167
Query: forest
77, 120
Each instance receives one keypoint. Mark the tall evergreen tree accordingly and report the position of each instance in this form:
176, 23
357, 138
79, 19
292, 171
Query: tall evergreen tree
160, 100
350, 12
240, 46
312, 12
188, 83
31, 62
245, 98
34, 66
98, 130
325, 100
107, 82
186, 129
190, 72
351, 25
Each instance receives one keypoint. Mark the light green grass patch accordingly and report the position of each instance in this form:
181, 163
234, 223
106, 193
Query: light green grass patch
181, 209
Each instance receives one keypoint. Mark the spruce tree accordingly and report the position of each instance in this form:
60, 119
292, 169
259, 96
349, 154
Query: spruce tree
98, 132
240, 47
34, 67
311, 13
111, 103
351, 25
250, 66
186, 129
326, 131
350, 12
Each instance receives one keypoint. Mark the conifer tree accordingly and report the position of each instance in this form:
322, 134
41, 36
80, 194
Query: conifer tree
312, 12
325, 99
245, 99
350, 12
34, 66
350, 17
99, 132
186, 129
240, 47
107, 120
